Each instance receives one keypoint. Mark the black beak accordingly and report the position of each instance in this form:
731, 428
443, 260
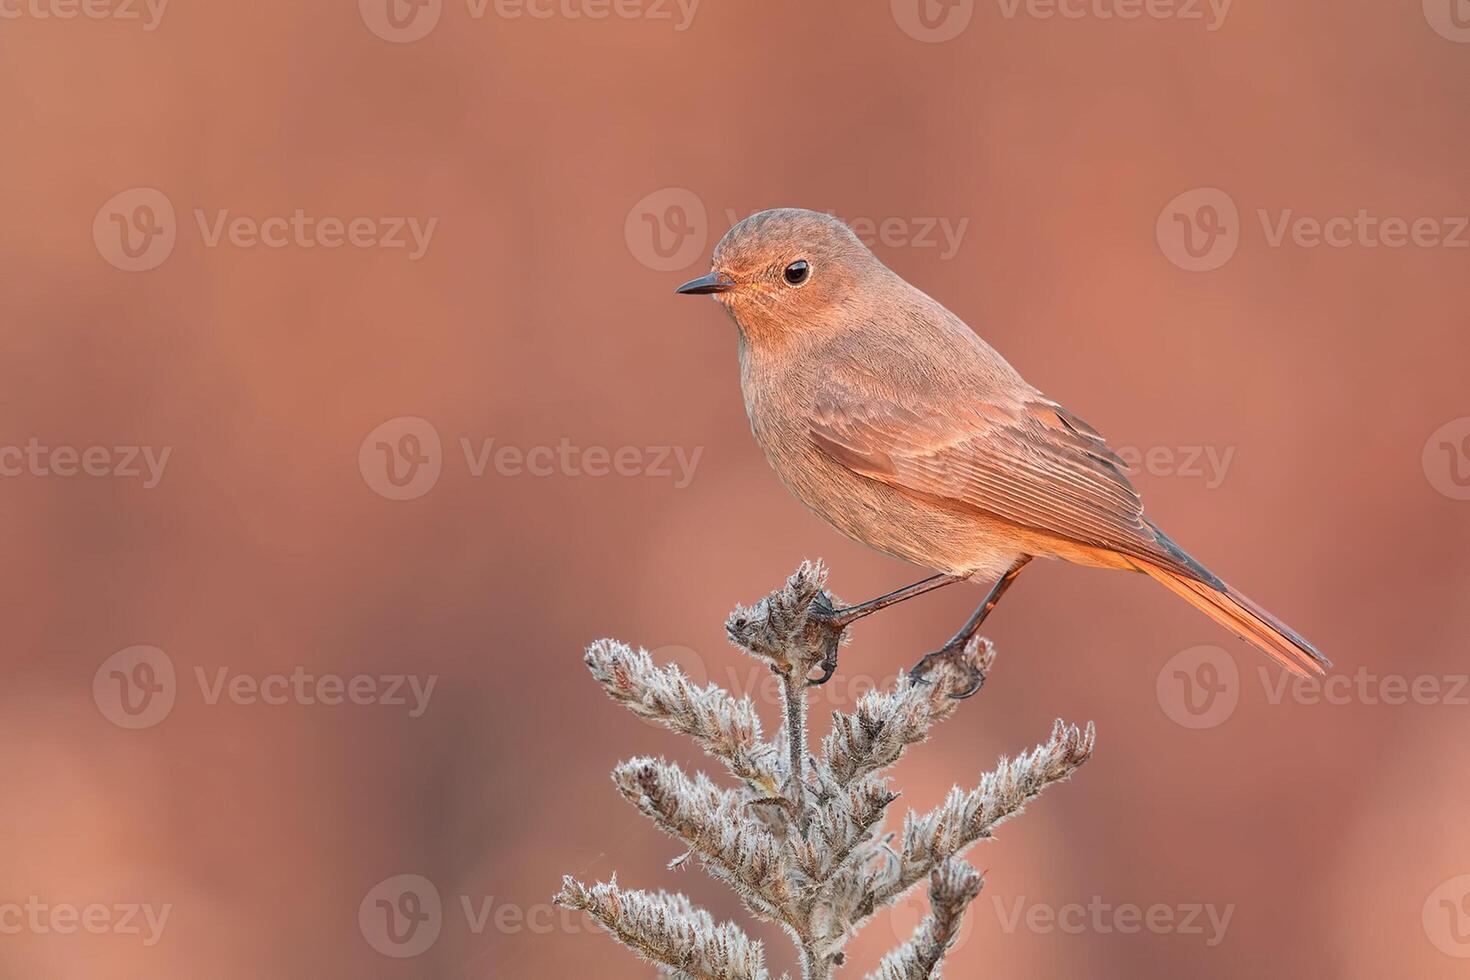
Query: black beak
715, 282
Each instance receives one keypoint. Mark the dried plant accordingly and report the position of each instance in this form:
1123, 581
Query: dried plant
800, 838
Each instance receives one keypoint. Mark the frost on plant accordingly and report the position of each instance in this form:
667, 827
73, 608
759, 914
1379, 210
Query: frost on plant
799, 837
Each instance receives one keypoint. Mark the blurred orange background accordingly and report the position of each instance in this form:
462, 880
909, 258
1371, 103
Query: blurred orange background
1113, 199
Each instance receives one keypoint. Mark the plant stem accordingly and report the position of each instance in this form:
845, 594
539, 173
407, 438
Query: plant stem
793, 692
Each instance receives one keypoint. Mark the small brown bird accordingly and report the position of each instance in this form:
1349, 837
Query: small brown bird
889, 418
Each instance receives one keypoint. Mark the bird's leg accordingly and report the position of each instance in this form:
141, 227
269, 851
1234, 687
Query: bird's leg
837, 620
847, 615
955, 648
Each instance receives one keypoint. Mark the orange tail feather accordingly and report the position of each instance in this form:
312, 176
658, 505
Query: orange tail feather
1243, 617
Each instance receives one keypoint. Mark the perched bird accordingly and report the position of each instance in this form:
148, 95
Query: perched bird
892, 420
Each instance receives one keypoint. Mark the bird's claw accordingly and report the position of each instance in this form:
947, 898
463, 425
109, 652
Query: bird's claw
954, 654
829, 667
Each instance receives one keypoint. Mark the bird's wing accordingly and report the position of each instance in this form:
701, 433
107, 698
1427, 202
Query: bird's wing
1026, 459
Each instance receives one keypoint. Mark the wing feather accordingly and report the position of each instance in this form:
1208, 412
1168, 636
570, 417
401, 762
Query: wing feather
1028, 461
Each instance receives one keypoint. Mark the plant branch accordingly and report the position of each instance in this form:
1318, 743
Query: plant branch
712, 823
726, 728
668, 930
952, 887
793, 693
966, 818
800, 838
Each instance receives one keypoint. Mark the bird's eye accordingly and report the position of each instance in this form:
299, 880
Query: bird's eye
797, 273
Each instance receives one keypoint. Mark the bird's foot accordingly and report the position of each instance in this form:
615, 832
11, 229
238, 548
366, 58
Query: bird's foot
827, 623
830, 625
953, 655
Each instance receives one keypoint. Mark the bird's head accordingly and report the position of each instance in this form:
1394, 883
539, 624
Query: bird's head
787, 270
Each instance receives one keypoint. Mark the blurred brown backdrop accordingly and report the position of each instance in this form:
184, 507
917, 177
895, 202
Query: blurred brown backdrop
1299, 411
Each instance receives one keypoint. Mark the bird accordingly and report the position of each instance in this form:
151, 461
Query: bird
892, 420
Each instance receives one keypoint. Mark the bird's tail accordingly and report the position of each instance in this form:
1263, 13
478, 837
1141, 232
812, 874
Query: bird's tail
1193, 583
